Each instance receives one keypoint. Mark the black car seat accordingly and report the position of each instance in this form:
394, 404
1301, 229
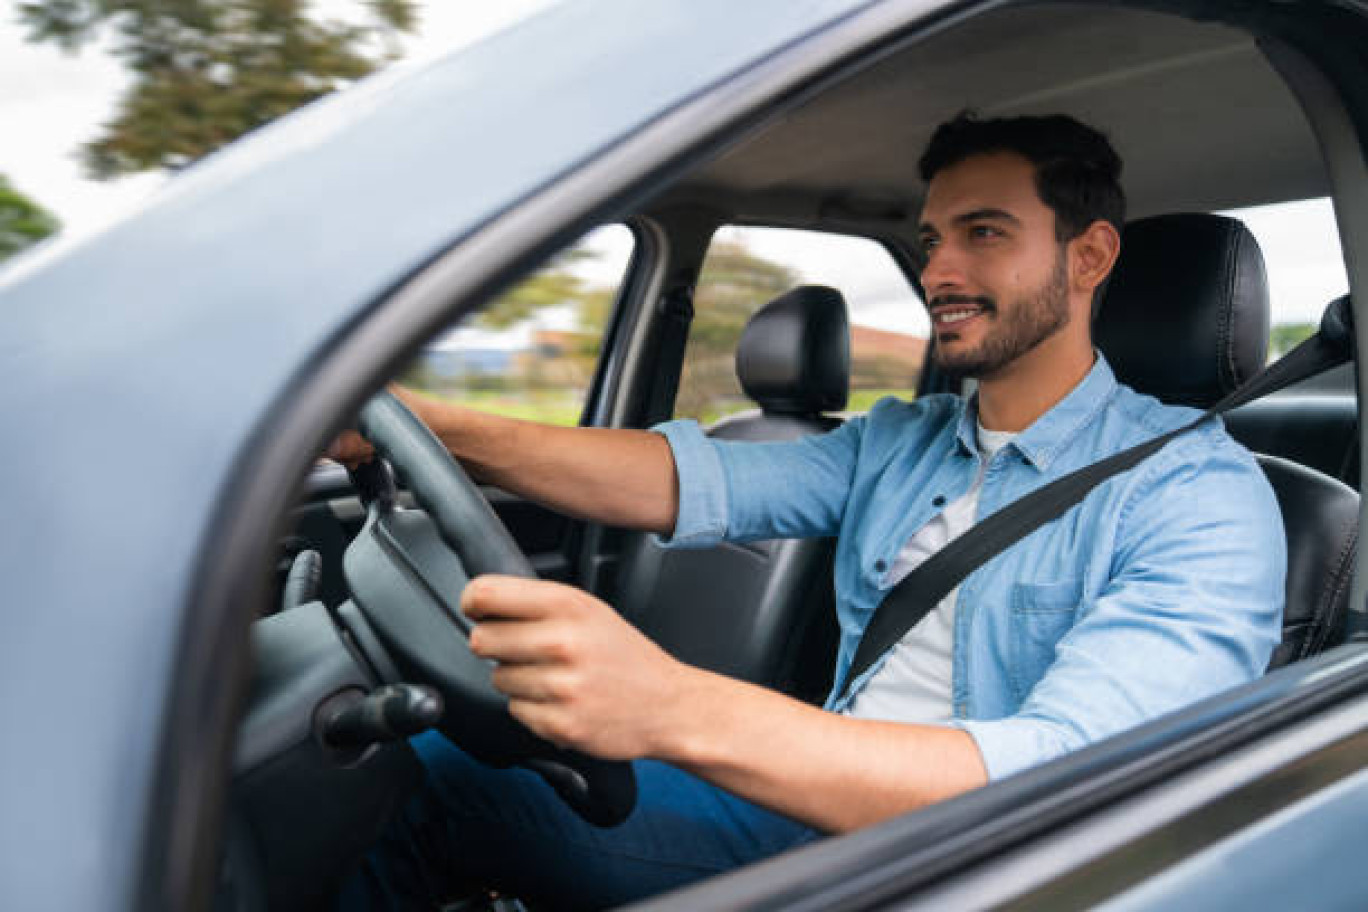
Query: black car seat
1185, 319
761, 611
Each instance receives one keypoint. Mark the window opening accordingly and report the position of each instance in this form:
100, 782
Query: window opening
531, 352
747, 267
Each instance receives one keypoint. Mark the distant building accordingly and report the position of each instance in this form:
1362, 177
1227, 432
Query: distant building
452, 364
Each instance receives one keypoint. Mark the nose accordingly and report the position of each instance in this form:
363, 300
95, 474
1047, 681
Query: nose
943, 271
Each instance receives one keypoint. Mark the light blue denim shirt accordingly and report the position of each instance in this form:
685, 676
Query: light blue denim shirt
1163, 586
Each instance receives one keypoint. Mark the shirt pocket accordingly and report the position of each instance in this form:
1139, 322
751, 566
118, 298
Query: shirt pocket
1041, 613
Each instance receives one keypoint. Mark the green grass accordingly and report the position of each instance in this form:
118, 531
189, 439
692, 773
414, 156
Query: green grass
863, 400
860, 401
564, 408
549, 407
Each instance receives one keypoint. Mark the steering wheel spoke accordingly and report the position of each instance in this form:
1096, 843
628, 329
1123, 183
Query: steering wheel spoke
407, 569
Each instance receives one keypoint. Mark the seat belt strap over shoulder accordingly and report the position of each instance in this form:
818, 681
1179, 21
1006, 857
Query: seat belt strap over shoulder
923, 589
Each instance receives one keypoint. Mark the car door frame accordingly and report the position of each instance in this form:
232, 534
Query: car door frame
184, 823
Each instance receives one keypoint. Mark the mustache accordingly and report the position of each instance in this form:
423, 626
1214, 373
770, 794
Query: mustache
984, 302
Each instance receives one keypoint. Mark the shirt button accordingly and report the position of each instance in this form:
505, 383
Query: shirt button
938, 501
880, 566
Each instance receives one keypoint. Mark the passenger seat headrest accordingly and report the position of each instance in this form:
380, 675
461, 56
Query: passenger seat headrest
1185, 318
794, 354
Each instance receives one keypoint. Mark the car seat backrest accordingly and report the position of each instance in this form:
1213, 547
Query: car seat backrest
1185, 319
1185, 315
1321, 566
1317, 429
760, 611
1208, 350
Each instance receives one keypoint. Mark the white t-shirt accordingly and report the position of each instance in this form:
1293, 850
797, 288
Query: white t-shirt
914, 683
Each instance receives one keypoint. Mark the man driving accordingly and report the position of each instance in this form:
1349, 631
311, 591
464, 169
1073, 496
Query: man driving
1163, 586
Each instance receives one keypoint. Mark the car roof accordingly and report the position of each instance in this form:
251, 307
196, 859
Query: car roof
849, 155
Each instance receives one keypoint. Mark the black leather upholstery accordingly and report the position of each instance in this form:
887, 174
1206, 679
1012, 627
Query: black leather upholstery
761, 611
1186, 320
1322, 515
1320, 431
1185, 317
794, 354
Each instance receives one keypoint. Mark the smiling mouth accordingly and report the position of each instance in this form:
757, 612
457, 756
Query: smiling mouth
953, 316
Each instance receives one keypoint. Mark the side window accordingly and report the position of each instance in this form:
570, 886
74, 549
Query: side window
1301, 249
531, 352
747, 267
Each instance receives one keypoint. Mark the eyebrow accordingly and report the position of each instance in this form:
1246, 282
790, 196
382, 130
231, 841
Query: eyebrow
974, 215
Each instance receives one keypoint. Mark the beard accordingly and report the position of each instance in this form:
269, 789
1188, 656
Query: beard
1029, 321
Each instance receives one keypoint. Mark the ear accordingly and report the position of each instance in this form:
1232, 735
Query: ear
1094, 253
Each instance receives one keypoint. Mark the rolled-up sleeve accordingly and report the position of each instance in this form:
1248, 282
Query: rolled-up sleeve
743, 491
1193, 607
702, 518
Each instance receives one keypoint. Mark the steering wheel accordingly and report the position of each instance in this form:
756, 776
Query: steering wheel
406, 570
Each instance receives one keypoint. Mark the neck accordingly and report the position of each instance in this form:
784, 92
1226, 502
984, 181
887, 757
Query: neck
1013, 397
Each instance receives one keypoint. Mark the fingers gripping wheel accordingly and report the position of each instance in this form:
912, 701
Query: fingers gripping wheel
406, 571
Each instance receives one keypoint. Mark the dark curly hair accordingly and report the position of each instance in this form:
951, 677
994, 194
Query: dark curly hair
1078, 173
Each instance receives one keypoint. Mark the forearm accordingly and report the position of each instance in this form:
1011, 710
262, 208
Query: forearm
578, 674
617, 477
829, 771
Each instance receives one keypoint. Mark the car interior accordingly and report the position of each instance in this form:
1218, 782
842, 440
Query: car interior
1206, 123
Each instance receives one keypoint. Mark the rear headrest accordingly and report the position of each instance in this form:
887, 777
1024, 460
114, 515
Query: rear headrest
794, 355
1185, 318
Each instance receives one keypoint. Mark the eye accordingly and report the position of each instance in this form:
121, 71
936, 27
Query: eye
984, 232
928, 243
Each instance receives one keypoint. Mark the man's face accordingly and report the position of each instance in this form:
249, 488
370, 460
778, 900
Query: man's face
996, 279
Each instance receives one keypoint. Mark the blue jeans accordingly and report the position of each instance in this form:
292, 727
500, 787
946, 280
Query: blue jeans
474, 825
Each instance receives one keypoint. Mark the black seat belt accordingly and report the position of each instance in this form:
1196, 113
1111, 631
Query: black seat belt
921, 590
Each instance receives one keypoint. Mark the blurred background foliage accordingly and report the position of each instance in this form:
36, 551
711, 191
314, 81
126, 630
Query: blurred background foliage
733, 285
207, 71
1283, 337
22, 221
552, 324
549, 380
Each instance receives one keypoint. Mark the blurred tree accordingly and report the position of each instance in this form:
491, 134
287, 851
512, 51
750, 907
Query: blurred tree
1286, 336
555, 284
22, 221
733, 285
208, 71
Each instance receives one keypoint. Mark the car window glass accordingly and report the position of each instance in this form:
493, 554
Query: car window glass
747, 267
530, 353
1301, 249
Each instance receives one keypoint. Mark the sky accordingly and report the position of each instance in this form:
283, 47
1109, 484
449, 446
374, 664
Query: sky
52, 102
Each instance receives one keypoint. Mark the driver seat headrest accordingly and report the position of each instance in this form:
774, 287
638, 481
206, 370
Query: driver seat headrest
794, 354
1185, 318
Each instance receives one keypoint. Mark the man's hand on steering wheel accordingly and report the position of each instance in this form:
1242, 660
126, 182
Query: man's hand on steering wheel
574, 670
352, 450
407, 570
